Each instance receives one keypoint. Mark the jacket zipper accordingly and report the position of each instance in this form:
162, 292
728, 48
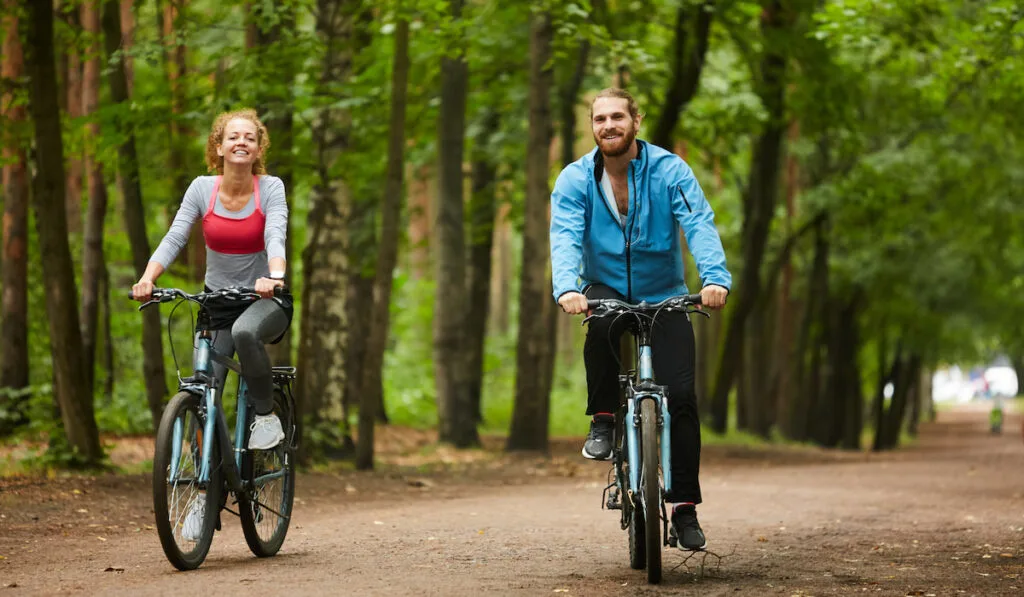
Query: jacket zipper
683, 195
629, 236
625, 238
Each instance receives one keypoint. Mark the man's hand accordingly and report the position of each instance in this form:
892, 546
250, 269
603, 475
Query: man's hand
713, 296
573, 303
265, 286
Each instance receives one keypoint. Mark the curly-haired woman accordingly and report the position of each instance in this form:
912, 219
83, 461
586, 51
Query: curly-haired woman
245, 220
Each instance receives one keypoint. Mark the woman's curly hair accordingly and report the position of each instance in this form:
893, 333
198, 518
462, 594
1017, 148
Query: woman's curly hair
214, 162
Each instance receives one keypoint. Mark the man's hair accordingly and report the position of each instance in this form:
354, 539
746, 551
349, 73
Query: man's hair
615, 92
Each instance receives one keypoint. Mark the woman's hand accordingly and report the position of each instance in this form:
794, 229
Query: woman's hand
265, 286
142, 290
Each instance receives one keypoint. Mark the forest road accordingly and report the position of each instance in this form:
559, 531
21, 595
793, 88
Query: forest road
942, 517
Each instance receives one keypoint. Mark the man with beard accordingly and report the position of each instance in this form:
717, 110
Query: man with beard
616, 214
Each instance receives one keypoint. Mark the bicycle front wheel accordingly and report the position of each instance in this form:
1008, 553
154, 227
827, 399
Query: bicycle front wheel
650, 488
186, 511
266, 511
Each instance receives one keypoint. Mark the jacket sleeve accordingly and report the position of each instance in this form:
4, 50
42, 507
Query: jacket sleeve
697, 219
191, 209
568, 220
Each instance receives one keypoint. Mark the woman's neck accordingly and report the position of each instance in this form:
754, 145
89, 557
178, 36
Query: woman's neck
237, 181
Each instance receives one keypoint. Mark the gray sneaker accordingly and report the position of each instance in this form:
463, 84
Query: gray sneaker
265, 432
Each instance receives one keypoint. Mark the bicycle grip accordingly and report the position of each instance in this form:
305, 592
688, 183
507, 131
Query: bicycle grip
694, 298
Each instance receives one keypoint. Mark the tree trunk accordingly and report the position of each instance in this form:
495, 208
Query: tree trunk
172, 22
322, 336
456, 423
421, 214
387, 252
530, 412
96, 212
501, 276
127, 29
798, 418
847, 387
886, 373
134, 213
758, 202
108, 339
904, 386
74, 396
688, 52
14, 378
275, 104
482, 209
73, 89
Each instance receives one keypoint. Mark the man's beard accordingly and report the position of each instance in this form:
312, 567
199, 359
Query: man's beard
618, 148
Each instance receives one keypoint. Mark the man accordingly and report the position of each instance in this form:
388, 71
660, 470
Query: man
615, 220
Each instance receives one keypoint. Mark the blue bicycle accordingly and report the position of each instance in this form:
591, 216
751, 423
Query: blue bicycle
641, 448
196, 463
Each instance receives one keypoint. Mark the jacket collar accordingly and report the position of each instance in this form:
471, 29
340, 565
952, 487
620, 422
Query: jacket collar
599, 159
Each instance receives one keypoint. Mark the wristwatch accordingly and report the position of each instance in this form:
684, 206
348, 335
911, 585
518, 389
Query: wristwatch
277, 275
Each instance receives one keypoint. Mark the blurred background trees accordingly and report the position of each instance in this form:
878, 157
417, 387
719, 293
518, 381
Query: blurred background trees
862, 158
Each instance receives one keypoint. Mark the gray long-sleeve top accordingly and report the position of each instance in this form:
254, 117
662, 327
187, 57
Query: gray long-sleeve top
225, 270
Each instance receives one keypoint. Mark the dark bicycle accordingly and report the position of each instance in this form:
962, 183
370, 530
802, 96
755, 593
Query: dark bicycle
641, 446
193, 463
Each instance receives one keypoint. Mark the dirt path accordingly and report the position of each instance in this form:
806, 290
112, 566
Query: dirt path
945, 517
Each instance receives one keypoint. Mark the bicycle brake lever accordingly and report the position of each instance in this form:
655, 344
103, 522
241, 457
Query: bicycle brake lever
700, 312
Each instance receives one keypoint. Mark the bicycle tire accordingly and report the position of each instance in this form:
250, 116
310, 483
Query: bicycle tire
265, 537
650, 488
169, 509
631, 514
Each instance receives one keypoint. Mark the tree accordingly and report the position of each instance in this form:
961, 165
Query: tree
325, 259
134, 213
14, 377
93, 262
759, 199
73, 395
530, 416
455, 415
387, 249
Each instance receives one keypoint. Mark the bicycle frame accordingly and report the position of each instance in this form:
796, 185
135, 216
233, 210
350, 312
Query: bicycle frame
646, 389
204, 384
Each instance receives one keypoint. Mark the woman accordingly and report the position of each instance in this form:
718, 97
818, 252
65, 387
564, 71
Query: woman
245, 220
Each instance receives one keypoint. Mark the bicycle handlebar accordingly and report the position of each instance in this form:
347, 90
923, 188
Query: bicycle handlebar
673, 302
163, 295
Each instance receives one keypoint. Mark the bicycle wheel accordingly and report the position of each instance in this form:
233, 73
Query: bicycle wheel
267, 508
631, 514
637, 538
177, 460
650, 488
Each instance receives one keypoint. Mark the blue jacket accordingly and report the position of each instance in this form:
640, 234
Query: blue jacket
642, 260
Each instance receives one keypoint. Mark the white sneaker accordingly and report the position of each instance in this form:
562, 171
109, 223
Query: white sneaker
192, 528
265, 432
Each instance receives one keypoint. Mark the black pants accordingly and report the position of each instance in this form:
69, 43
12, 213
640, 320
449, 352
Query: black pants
674, 360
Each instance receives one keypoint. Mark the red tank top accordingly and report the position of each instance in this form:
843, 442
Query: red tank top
235, 236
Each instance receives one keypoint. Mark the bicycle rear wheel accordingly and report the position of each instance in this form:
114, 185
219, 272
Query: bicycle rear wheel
267, 508
650, 488
177, 460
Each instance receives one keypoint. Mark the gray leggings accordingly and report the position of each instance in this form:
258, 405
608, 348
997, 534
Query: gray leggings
263, 322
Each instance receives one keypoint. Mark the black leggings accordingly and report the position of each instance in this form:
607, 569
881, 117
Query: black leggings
264, 321
673, 349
